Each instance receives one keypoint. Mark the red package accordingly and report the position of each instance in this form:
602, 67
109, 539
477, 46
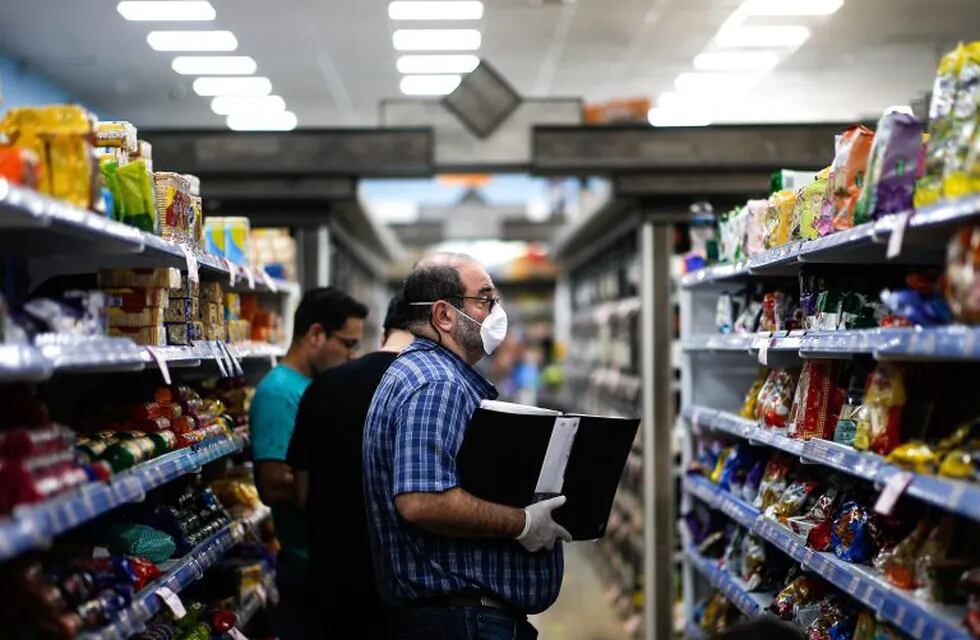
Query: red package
171, 410
183, 424
20, 443
145, 571
145, 411
767, 321
776, 398
163, 395
884, 407
149, 426
20, 166
817, 402
189, 438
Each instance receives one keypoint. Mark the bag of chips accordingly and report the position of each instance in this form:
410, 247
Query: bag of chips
890, 180
963, 274
851, 534
879, 428
752, 396
806, 210
961, 173
776, 398
773, 482
755, 226
779, 218
817, 401
846, 178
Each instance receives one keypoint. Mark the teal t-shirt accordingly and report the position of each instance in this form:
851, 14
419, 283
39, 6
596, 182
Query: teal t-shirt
272, 418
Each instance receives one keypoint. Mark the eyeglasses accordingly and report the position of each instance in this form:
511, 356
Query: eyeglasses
350, 343
487, 303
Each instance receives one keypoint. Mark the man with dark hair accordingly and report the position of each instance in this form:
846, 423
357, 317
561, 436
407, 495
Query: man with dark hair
325, 453
455, 566
327, 329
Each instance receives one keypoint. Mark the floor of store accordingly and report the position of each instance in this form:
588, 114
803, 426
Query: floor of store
582, 611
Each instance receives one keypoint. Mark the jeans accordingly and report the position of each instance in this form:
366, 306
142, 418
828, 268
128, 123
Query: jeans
462, 623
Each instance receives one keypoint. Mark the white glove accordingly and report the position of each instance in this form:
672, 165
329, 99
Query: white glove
539, 529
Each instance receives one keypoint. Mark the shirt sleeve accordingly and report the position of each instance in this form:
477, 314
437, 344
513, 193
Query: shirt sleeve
301, 444
430, 427
271, 419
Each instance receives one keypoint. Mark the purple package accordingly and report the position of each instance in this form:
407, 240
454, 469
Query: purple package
891, 167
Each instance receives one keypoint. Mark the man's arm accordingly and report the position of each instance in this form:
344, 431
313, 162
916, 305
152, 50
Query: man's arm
275, 481
268, 418
460, 514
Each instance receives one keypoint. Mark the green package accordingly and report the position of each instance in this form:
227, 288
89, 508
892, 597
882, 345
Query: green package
136, 190
108, 169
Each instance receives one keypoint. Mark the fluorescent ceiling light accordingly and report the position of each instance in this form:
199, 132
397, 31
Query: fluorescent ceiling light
792, 35
704, 82
168, 11
251, 86
281, 121
192, 40
791, 7
660, 117
449, 63
438, 10
214, 65
429, 85
436, 39
227, 105
736, 61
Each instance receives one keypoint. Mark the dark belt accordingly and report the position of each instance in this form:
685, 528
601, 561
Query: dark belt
461, 600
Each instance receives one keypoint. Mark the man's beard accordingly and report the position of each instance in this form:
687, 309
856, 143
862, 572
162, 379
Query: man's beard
466, 333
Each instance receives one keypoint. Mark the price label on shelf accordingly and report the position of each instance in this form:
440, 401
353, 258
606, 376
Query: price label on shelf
172, 600
764, 353
232, 271
894, 488
251, 277
898, 235
161, 363
268, 281
191, 259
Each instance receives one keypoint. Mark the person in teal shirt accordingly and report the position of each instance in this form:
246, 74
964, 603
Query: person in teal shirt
327, 330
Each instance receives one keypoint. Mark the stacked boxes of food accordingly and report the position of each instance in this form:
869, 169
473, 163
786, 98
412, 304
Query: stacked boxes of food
239, 329
138, 301
212, 311
182, 323
228, 237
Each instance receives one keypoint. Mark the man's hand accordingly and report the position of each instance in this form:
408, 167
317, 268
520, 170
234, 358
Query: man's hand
275, 482
539, 529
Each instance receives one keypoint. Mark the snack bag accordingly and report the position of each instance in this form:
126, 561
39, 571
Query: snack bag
963, 274
752, 396
720, 465
779, 218
792, 499
173, 205
851, 534
891, 173
731, 230
806, 210
961, 173
136, 195
930, 560
847, 175
750, 488
773, 481
880, 428
776, 398
817, 402
898, 563
20, 166
800, 591
755, 226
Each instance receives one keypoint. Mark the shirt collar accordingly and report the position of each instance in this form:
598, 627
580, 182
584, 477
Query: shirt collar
484, 386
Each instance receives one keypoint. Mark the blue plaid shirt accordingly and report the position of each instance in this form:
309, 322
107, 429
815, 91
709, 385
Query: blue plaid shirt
411, 435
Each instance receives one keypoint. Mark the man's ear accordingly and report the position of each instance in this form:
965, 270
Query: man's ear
441, 315
316, 334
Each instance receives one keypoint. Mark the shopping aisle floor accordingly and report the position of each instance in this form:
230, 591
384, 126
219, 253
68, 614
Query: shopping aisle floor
582, 611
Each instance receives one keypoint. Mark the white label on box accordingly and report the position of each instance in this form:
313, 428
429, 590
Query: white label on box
161, 362
552, 475
898, 235
894, 488
764, 353
250, 276
172, 600
191, 259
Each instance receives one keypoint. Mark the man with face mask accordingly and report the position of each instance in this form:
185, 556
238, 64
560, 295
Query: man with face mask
327, 329
453, 565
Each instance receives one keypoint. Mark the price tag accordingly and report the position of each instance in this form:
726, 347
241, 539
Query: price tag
172, 600
898, 235
269, 282
764, 353
100, 552
232, 272
250, 276
233, 363
893, 490
161, 362
218, 359
191, 260
236, 634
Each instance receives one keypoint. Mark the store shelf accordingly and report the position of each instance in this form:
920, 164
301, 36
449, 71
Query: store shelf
708, 492
952, 495
692, 632
913, 615
254, 601
34, 526
23, 363
147, 603
864, 244
955, 342
733, 588
36, 225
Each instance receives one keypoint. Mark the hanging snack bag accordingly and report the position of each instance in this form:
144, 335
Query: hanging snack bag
779, 218
890, 180
963, 274
806, 210
880, 426
846, 179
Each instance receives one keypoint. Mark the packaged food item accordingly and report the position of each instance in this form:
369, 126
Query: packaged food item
181, 310
732, 227
145, 336
802, 590
890, 183
806, 210
963, 274
898, 563
750, 488
197, 222
847, 174
775, 398
851, 534
129, 452
748, 319
116, 134
815, 525
915, 456
725, 313
773, 481
179, 333
187, 289
753, 563
237, 248
930, 558
215, 240
924, 310
20, 166
139, 278
817, 401
117, 317
851, 413
755, 226
173, 204
136, 193
752, 396
719, 465
779, 218
970, 584
879, 428
961, 173
136, 299
792, 499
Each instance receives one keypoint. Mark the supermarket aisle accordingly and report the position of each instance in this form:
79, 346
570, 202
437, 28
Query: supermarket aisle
582, 611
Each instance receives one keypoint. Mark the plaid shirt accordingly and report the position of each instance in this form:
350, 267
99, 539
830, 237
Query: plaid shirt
413, 430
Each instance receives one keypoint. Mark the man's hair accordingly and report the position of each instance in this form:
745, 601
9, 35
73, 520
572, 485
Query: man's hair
327, 306
397, 316
428, 283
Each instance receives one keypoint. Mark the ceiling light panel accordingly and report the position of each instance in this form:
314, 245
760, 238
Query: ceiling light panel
791, 7
176, 11
214, 65
446, 63
763, 36
736, 61
660, 117
435, 10
436, 39
281, 121
251, 86
701, 83
192, 40
227, 105
429, 85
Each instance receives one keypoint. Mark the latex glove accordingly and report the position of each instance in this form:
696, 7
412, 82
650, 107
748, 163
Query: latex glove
540, 531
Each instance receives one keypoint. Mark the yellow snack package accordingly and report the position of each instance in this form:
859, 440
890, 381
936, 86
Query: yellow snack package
961, 172
752, 397
136, 188
914, 456
173, 203
116, 133
779, 218
716, 472
806, 210
929, 188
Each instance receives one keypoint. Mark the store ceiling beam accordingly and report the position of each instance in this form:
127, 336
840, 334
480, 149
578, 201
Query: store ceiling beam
639, 148
258, 188
694, 185
392, 151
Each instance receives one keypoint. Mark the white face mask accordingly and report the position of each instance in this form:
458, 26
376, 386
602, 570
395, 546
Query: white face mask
493, 329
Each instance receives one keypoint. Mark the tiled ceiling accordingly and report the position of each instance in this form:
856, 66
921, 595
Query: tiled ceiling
333, 61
